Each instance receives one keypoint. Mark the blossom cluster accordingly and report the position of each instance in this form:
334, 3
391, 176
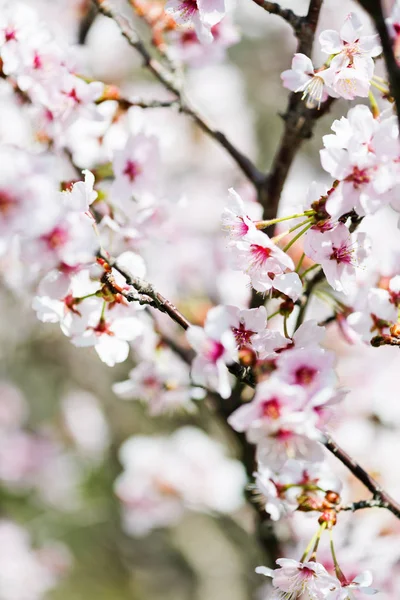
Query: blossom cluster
85, 220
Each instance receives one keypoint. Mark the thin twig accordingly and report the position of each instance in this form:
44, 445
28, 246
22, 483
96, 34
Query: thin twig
167, 80
299, 123
386, 501
276, 9
162, 304
360, 504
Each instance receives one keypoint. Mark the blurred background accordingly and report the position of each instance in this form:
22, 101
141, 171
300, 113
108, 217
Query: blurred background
61, 425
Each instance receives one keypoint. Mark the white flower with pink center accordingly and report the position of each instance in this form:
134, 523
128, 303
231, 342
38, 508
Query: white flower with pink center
216, 347
162, 383
360, 155
280, 491
350, 590
353, 52
340, 253
293, 579
136, 168
269, 342
187, 48
302, 77
235, 219
272, 401
266, 265
17, 23
202, 15
310, 368
81, 195
246, 323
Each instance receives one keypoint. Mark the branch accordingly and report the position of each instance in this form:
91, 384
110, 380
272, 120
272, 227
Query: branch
375, 10
384, 499
244, 375
275, 9
299, 123
166, 79
360, 504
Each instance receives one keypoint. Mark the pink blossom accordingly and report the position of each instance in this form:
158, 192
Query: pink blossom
235, 220
200, 14
359, 586
136, 167
293, 579
269, 341
340, 253
310, 368
215, 346
302, 77
245, 324
266, 264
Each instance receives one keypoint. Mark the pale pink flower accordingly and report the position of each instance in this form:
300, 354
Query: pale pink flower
81, 195
215, 346
235, 219
302, 77
269, 341
340, 253
272, 401
202, 15
246, 323
136, 167
266, 264
353, 49
293, 579
356, 588
186, 47
311, 368
162, 383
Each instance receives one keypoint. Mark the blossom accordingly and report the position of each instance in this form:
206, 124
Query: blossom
350, 590
164, 476
294, 579
339, 252
348, 46
163, 383
266, 264
245, 324
360, 156
269, 341
215, 346
200, 14
297, 481
302, 77
310, 368
136, 167
235, 220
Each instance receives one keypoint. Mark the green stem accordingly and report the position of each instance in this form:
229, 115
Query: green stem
338, 570
265, 224
277, 312
319, 533
300, 262
307, 271
103, 311
285, 329
380, 88
298, 236
309, 546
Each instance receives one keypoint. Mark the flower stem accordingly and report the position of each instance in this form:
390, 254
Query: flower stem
265, 224
374, 105
300, 262
319, 533
285, 329
298, 236
338, 570
309, 546
307, 271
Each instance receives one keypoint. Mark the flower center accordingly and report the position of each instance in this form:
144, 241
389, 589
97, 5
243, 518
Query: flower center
259, 255
271, 409
242, 335
305, 375
56, 238
343, 254
132, 170
188, 8
214, 351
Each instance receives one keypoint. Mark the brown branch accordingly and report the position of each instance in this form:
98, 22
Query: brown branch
386, 501
167, 80
245, 376
276, 9
375, 10
299, 123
